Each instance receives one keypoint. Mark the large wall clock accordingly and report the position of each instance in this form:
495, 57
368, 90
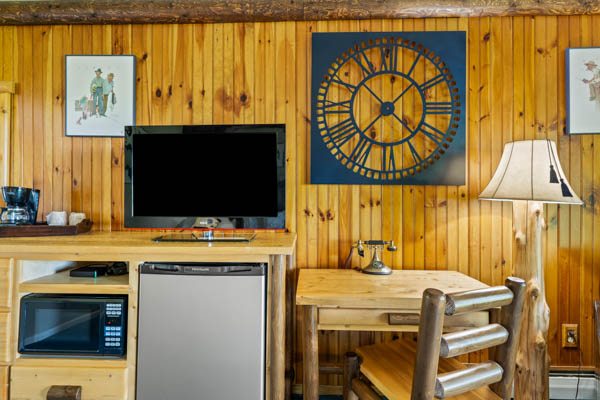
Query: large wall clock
388, 108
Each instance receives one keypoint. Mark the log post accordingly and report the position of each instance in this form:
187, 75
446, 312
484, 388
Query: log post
533, 362
431, 324
310, 353
278, 328
351, 371
290, 307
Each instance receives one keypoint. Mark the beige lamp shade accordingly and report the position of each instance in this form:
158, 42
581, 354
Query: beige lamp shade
530, 170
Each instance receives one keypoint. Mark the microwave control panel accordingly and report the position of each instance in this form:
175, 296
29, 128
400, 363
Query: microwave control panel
113, 331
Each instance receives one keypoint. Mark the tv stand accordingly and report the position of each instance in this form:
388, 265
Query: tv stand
24, 262
206, 236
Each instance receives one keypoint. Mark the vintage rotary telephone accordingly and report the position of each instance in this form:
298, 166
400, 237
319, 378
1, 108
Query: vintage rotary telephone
376, 266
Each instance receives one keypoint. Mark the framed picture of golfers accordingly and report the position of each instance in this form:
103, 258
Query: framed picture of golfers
583, 90
99, 94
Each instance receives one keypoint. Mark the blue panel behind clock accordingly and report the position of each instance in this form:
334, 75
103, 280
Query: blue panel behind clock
427, 147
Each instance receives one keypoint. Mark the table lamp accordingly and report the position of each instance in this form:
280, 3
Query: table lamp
529, 174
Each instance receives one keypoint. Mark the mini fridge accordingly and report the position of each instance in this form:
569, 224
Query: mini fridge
201, 331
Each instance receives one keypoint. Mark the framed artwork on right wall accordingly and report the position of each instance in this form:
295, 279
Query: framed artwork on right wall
583, 90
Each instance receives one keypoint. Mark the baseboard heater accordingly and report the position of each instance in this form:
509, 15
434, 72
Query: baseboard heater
564, 385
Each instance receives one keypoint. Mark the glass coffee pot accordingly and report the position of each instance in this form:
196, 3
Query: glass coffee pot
14, 215
16, 211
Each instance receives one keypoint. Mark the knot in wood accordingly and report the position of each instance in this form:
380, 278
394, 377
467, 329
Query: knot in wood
535, 293
534, 290
540, 342
520, 238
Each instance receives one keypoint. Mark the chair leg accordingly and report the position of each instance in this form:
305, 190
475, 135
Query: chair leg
351, 371
363, 390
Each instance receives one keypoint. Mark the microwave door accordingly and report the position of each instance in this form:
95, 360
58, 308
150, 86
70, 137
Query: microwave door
61, 327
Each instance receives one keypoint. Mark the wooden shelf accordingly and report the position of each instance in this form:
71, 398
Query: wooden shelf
61, 282
57, 362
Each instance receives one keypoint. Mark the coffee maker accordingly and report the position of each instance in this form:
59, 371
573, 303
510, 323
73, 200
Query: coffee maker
21, 205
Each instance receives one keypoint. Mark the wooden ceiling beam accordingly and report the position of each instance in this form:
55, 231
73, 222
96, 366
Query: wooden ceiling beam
196, 11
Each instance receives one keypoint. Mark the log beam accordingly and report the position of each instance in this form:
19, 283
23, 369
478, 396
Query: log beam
199, 11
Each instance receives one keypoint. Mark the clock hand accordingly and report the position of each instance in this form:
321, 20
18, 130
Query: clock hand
373, 93
371, 124
402, 94
403, 124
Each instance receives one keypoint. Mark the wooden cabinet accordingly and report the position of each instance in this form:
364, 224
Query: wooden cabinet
30, 265
33, 382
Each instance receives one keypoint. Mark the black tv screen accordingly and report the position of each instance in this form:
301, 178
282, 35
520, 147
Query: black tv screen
217, 176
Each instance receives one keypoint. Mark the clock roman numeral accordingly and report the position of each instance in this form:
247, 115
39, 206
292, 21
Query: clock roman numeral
361, 152
388, 159
432, 82
342, 132
367, 69
412, 68
415, 154
432, 133
336, 79
328, 107
438, 108
389, 63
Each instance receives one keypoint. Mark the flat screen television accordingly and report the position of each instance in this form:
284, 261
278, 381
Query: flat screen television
205, 176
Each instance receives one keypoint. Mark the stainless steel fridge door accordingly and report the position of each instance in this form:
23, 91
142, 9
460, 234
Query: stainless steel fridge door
201, 337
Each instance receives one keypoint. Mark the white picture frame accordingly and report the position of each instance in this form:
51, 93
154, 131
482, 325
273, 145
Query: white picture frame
583, 90
91, 110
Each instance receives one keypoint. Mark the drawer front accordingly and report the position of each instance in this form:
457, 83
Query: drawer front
5, 282
33, 383
4, 336
390, 320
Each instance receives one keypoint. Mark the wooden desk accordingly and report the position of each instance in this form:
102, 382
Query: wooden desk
30, 375
350, 300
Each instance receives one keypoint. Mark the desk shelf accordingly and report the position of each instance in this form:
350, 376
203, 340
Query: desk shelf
61, 282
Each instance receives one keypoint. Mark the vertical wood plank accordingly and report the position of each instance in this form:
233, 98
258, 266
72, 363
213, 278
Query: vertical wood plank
106, 151
16, 145
573, 172
551, 256
485, 147
408, 192
496, 145
66, 143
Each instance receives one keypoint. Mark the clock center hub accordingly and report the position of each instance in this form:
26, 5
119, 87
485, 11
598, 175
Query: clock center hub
387, 108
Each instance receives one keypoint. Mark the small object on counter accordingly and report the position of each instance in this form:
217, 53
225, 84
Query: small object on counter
45, 230
21, 205
117, 268
75, 218
99, 269
89, 271
57, 218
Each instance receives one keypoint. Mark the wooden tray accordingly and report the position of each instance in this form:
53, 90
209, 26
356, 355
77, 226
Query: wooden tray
45, 230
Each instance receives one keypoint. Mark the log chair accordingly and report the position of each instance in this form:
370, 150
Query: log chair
403, 369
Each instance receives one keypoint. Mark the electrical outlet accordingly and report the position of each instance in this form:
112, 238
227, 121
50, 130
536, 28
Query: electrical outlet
570, 335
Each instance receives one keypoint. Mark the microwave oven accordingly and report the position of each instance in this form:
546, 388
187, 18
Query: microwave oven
73, 325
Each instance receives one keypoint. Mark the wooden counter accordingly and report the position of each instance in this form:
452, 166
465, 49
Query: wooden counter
17, 258
111, 246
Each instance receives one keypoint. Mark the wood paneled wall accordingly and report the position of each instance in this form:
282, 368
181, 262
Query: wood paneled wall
260, 73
